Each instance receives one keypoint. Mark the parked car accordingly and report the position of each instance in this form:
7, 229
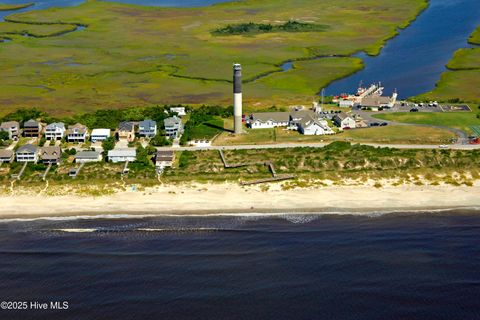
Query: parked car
374, 124
383, 124
414, 110
443, 146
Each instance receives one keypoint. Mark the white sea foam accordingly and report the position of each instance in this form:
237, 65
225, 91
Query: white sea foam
89, 230
294, 217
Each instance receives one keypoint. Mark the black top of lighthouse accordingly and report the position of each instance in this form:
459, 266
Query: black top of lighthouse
237, 78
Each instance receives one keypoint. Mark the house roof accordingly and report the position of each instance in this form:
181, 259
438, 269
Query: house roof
274, 116
164, 156
125, 152
172, 121
125, 126
31, 124
5, 153
148, 123
9, 124
87, 155
77, 128
55, 125
342, 116
27, 148
51, 153
101, 132
375, 101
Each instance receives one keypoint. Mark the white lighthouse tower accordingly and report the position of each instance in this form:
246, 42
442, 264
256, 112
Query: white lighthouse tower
237, 98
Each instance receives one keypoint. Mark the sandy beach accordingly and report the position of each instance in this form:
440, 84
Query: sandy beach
231, 198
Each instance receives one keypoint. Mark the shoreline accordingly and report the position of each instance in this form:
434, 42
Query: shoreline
230, 199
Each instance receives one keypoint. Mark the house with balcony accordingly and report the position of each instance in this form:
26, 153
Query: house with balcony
50, 155
77, 133
12, 127
147, 128
32, 128
126, 131
173, 127
27, 153
55, 131
99, 135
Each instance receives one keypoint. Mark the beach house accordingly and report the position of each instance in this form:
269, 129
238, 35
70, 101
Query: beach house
122, 155
27, 153
99, 135
147, 128
77, 133
55, 131
126, 131
50, 155
309, 126
344, 121
180, 111
32, 128
88, 156
6, 156
164, 158
173, 127
12, 127
265, 120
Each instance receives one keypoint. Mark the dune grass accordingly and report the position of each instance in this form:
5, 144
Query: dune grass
135, 55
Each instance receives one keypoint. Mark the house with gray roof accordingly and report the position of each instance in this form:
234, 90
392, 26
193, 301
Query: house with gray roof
164, 158
88, 156
122, 155
50, 155
147, 128
55, 131
32, 128
12, 127
173, 127
77, 133
27, 153
6, 156
265, 120
126, 131
344, 121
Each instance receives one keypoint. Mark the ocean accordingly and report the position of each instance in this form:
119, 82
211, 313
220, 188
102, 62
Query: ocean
400, 265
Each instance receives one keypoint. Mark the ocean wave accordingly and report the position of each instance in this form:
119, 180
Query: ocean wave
291, 216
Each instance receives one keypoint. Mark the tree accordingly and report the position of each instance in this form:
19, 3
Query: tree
159, 141
4, 135
108, 144
143, 156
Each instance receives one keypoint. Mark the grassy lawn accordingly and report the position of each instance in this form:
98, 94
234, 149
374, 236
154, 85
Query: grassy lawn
132, 55
475, 37
458, 120
207, 130
389, 134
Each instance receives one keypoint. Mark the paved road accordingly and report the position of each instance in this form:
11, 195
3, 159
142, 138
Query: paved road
317, 145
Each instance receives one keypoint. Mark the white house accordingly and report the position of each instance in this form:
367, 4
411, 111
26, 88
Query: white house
265, 120
173, 127
313, 127
100, 135
77, 133
344, 121
122, 155
27, 153
88, 156
55, 131
180, 111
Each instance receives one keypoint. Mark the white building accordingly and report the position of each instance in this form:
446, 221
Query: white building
344, 103
265, 120
344, 121
100, 135
55, 131
77, 133
180, 111
88, 156
313, 127
173, 127
122, 155
27, 153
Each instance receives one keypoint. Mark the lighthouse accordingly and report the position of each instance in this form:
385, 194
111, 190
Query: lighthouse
237, 98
